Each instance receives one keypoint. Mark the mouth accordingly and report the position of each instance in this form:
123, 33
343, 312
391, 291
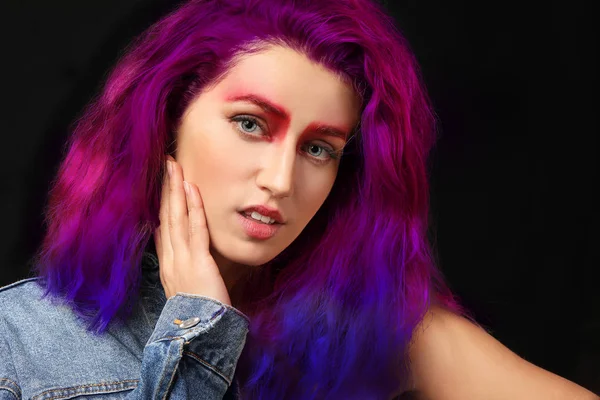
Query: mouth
258, 218
257, 229
264, 213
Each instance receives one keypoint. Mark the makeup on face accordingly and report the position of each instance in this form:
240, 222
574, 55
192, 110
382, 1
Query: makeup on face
258, 229
284, 116
259, 146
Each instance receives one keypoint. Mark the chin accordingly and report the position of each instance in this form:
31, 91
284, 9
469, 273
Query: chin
248, 253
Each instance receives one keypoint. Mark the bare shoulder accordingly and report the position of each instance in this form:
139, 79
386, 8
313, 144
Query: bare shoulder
451, 358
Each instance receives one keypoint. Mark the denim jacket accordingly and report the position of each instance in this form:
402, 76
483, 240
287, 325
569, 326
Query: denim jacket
47, 353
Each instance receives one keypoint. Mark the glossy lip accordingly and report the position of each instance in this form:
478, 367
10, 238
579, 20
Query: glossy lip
256, 229
266, 211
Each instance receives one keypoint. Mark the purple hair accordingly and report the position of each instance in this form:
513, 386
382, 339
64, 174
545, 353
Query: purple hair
339, 306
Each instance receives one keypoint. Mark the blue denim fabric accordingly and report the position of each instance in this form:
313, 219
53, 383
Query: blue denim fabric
47, 353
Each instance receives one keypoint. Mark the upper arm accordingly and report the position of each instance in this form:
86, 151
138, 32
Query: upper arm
451, 358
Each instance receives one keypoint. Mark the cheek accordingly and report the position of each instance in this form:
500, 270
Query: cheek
312, 190
209, 159
217, 155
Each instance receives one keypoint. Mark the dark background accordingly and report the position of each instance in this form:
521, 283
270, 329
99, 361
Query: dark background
513, 175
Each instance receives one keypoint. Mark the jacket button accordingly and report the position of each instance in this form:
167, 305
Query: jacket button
188, 323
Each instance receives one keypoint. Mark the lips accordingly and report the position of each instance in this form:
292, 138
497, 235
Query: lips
256, 229
253, 214
266, 211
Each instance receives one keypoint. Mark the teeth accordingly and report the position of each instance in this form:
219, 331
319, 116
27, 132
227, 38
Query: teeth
262, 218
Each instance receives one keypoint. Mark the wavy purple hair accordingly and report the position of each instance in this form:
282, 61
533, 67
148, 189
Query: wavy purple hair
339, 306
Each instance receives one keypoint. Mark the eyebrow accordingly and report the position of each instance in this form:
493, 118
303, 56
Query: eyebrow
271, 108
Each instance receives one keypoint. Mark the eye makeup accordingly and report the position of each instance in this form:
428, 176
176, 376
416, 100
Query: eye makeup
282, 113
331, 152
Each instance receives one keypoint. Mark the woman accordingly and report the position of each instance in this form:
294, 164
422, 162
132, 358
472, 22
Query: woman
242, 212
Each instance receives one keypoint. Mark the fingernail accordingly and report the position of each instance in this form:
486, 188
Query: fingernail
170, 168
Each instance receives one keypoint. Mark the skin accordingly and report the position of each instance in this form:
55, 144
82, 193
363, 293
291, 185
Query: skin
273, 165
216, 171
234, 154
453, 359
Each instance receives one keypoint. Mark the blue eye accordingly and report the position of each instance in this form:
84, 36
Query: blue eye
245, 123
319, 149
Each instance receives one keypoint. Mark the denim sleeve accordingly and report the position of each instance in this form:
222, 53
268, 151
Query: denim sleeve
193, 350
9, 389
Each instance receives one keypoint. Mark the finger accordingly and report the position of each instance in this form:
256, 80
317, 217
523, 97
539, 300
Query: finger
165, 239
161, 263
164, 249
158, 242
198, 230
178, 219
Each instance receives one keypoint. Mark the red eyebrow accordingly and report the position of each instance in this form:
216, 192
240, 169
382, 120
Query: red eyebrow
271, 108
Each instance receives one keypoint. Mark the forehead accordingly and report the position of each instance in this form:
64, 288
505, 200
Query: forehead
289, 78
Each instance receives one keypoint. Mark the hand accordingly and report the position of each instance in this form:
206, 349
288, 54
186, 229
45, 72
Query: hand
182, 242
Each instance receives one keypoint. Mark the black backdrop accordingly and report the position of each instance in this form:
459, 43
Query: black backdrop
513, 174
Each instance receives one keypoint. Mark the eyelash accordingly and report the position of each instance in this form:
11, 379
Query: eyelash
335, 155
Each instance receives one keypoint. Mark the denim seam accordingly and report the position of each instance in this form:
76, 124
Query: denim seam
174, 371
11, 388
164, 371
162, 376
55, 394
193, 332
208, 365
11, 392
191, 295
172, 338
217, 313
20, 394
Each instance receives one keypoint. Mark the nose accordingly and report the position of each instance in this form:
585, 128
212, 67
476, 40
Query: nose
277, 172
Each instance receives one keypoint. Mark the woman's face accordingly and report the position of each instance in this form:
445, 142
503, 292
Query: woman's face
242, 154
